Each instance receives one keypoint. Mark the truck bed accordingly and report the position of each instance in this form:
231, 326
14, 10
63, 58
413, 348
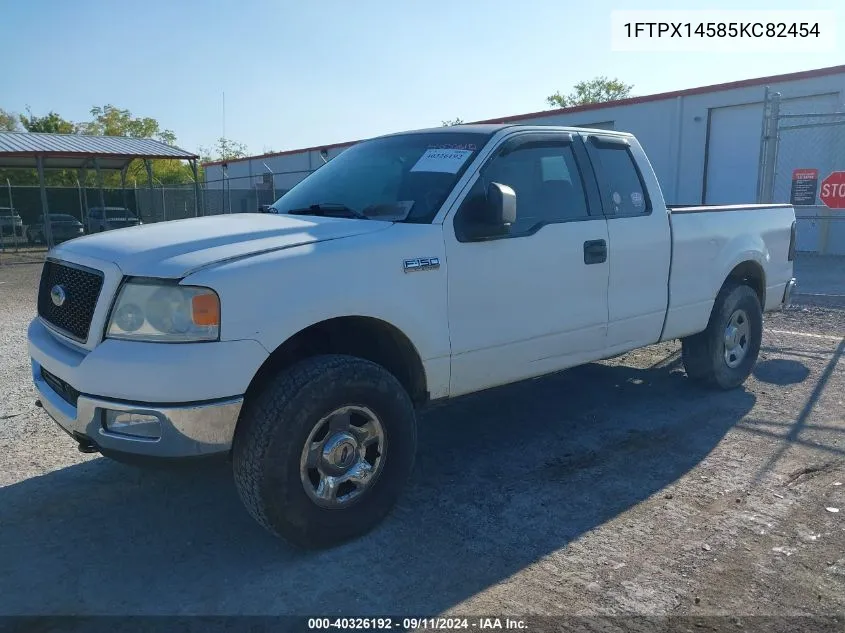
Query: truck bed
708, 243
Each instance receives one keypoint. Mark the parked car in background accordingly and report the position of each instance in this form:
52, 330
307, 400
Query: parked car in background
11, 224
108, 218
63, 227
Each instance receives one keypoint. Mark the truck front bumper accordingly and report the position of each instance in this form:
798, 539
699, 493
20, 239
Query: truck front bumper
149, 400
194, 430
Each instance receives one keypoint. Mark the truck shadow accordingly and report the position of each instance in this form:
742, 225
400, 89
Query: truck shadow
502, 479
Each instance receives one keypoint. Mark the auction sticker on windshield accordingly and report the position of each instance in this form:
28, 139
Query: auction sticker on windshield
447, 161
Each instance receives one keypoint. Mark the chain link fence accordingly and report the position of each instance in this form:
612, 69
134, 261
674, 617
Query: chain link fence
248, 194
799, 151
21, 211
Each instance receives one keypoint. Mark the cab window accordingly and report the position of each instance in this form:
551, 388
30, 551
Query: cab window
622, 190
547, 183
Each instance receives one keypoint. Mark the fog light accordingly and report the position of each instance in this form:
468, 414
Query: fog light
144, 425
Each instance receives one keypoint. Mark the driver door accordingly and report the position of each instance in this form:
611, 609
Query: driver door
534, 299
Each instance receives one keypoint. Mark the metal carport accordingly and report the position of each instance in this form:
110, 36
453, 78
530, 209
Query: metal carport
32, 150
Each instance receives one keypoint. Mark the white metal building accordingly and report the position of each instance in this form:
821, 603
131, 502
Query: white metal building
704, 143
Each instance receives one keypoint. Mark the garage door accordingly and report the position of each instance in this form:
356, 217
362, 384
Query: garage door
733, 150
733, 146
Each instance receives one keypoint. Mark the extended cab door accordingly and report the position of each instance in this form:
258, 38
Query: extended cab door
640, 241
533, 299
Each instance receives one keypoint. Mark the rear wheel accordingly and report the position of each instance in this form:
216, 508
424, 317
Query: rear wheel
724, 354
323, 451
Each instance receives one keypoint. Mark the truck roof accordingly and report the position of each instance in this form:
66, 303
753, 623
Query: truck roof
492, 128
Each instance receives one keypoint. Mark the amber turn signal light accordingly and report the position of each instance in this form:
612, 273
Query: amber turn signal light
205, 309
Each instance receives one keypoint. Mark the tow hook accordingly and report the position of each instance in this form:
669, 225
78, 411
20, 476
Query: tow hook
87, 447
84, 445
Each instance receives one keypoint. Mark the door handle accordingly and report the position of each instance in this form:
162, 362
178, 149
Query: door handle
595, 252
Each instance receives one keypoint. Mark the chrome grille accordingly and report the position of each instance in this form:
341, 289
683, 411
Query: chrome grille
80, 287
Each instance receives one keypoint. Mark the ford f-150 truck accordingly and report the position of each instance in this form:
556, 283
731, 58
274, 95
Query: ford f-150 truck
412, 268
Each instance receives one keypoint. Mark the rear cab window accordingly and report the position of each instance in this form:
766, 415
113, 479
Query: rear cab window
623, 192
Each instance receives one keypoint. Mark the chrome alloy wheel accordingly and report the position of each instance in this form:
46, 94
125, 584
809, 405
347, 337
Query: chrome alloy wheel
342, 456
737, 338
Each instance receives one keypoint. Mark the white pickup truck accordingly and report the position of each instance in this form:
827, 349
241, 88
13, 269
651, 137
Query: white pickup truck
411, 268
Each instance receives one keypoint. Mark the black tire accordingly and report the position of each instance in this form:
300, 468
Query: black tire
275, 426
704, 353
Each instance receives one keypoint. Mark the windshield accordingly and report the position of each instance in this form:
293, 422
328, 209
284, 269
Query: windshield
62, 217
396, 178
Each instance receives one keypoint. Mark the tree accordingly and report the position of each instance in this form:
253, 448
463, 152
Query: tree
112, 121
223, 149
50, 122
8, 121
597, 90
452, 122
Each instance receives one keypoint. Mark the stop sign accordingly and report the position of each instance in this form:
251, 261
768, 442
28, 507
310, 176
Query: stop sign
833, 190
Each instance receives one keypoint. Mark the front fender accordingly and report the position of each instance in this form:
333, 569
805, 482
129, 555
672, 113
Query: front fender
272, 297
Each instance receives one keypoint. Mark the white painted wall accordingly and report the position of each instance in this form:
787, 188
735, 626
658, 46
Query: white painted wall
289, 169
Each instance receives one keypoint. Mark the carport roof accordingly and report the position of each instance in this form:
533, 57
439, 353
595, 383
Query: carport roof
71, 151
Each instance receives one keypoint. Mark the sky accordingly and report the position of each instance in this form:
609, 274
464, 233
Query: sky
299, 74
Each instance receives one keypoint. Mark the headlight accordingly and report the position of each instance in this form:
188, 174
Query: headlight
165, 313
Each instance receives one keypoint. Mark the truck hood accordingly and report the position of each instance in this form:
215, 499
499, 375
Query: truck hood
176, 248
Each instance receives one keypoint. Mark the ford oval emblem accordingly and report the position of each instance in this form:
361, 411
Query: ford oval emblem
58, 296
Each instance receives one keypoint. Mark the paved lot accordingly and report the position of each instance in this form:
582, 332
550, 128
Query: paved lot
613, 488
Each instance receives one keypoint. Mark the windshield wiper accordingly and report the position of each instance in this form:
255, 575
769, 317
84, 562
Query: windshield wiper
325, 208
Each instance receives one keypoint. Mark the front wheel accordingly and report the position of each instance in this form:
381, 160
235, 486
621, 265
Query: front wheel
725, 353
323, 451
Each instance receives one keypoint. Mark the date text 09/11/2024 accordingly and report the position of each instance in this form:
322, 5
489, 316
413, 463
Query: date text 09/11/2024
415, 624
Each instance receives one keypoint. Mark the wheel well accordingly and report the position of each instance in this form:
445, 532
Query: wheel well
365, 337
751, 274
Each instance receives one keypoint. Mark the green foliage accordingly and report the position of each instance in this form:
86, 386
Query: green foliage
9, 121
223, 149
452, 122
112, 121
597, 90
51, 123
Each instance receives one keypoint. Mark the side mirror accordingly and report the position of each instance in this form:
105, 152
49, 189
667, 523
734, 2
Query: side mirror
490, 215
501, 205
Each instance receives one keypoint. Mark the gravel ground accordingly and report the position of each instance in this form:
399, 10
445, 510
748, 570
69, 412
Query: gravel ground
613, 488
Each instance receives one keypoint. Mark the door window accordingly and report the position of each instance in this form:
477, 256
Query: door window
547, 184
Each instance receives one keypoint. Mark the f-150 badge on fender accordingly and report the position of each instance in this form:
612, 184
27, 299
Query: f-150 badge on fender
421, 263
